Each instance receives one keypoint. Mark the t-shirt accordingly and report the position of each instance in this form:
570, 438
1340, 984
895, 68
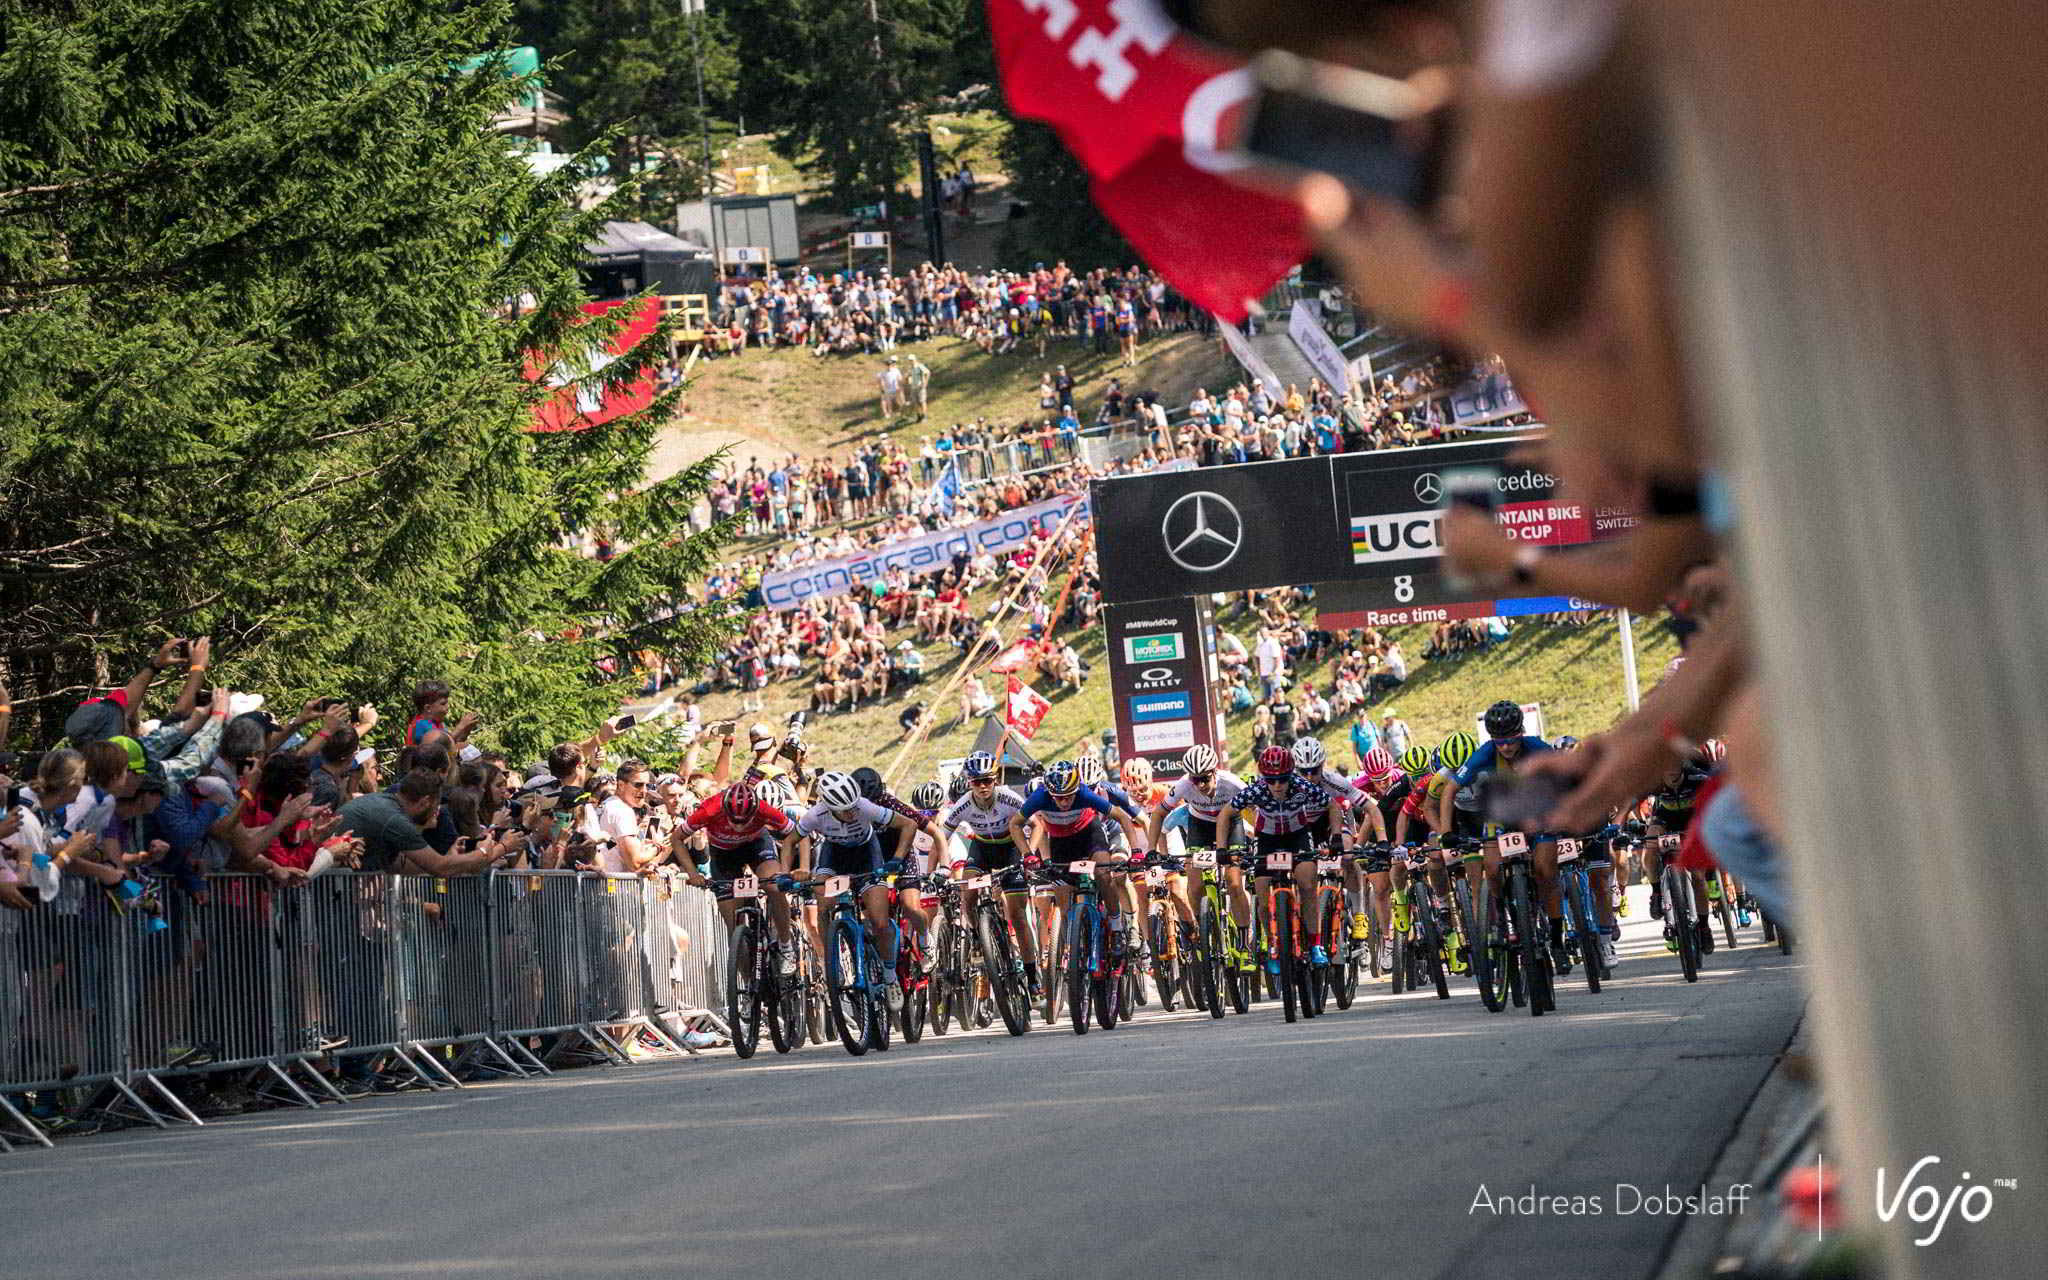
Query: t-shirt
1078, 816
616, 820
852, 826
992, 823
387, 831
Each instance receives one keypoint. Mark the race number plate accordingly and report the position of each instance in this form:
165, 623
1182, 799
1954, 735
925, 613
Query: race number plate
746, 887
1155, 875
1279, 862
1567, 850
1670, 842
1513, 842
979, 882
1084, 868
837, 885
1204, 858
1329, 866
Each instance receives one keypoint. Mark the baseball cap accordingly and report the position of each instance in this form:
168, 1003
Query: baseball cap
761, 733
137, 760
97, 719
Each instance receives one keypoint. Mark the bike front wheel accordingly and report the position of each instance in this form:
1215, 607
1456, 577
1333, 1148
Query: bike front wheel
743, 990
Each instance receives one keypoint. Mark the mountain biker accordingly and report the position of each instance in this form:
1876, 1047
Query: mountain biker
1340, 818
741, 835
1200, 812
841, 836
1505, 747
1277, 803
978, 827
1072, 822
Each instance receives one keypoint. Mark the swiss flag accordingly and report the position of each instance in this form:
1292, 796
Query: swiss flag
1024, 709
1145, 109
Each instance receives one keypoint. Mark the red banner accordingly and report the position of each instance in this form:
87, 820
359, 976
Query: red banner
574, 408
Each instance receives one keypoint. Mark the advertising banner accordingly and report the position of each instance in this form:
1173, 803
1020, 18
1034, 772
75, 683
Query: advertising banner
1305, 326
1253, 363
1158, 680
926, 551
1484, 400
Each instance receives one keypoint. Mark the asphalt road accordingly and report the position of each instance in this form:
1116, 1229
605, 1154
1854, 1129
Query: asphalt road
1354, 1145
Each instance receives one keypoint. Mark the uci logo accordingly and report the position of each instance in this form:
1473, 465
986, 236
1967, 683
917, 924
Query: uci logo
1925, 1204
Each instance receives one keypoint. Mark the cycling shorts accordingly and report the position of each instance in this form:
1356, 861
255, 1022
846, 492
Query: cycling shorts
1595, 851
998, 855
1199, 833
1468, 823
839, 859
1086, 845
729, 864
1294, 842
1675, 822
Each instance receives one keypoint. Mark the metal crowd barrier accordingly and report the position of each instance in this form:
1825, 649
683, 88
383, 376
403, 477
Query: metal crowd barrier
407, 973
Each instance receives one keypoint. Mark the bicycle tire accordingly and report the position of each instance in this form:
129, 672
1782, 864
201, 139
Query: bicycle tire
1532, 930
1209, 935
941, 1001
1284, 950
810, 967
1727, 914
1166, 975
1479, 949
847, 1009
742, 992
916, 996
1433, 953
880, 1016
1678, 918
785, 1009
1784, 939
1077, 970
1106, 995
1343, 964
1578, 892
999, 965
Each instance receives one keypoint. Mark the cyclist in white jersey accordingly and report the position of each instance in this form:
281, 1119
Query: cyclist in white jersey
979, 833
1205, 800
841, 835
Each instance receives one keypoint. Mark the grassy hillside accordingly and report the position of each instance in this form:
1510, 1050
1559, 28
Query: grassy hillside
1575, 672
768, 403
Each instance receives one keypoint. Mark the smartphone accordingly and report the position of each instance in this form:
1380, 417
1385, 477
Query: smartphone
204, 698
1475, 486
1368, 130
625, 722
1522, 803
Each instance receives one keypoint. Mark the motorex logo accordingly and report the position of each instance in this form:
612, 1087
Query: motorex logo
1163, 647
1160, 706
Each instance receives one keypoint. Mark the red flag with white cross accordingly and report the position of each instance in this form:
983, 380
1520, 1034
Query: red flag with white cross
1024, 709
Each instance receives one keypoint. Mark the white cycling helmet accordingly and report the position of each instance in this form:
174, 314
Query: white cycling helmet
1200, 758
1308, 754
838, 791
1092, 773
928, 795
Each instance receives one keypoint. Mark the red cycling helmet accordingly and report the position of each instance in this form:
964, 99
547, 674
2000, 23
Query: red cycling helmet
741, 804
1275, 762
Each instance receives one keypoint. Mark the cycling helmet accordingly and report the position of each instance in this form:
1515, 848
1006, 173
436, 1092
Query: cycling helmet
957, 787
1199, 759
741, 804
838, 791
1092, 772
1137, 772
1063, 779
1415, 761
870, 784
1567, 743
775, 791
1275, 762
929, 795
1457, 749
1379, 762
1308, 754
1504, 720
979, 765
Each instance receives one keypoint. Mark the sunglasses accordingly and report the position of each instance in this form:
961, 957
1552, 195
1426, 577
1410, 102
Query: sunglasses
981, 782
1203, 778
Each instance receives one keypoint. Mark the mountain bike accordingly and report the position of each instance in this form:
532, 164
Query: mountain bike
1528, 928
1419, 949
1582, 924
1094, 958
910, 975
1225, 951
854, 1004
1339, 979
953, 973
1297, 977
1681, 912
754, 984
989, 930
1166, 934
1719, 901
1487, 950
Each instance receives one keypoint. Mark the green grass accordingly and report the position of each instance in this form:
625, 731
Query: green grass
1575, 672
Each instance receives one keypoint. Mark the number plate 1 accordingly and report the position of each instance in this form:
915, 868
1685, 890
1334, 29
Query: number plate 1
1567, 850
1080, 868
837, 885
1513, 842
746, 887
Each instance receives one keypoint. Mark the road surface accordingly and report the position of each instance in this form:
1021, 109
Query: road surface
1353, 1145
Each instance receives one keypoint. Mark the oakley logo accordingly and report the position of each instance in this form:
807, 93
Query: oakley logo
1202, 531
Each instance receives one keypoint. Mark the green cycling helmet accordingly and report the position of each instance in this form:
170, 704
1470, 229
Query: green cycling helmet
1457, 749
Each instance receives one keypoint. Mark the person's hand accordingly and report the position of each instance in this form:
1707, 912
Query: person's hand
325, 820
10, 823
333, 718
285, 877
200, 656
1609, 769
309, 709
468, 721
366, 718
295, 807
219, 705
1475, 544
167, 653
14, 899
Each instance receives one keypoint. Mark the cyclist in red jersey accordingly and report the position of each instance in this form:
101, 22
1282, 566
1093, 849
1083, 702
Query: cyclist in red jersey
743, 836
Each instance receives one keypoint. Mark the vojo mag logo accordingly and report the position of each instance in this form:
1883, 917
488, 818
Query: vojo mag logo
1202, 531
1165, 646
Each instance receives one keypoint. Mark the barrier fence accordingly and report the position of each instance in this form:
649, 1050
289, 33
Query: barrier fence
402, 973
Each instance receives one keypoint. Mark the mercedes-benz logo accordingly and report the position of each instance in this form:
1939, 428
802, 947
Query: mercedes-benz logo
1202, 531
1429, 488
